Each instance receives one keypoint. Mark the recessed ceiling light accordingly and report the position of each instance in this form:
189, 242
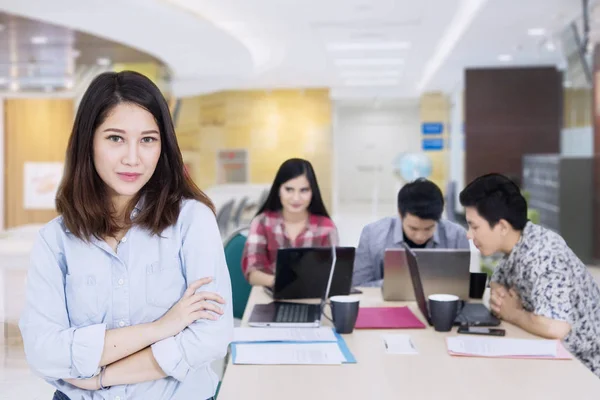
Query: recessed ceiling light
39, 40
369, 61
75, 53
505, 58
103, 61
371, 82
369, 46
371, 74
536, 32
550, 46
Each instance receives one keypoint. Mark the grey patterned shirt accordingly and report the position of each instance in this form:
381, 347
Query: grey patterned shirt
554, 283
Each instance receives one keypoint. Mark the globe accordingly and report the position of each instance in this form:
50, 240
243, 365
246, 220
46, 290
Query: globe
411, 166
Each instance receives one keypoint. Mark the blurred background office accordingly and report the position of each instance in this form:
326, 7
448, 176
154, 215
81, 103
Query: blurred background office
374, 93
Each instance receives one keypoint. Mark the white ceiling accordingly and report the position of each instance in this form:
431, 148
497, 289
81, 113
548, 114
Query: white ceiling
212, 45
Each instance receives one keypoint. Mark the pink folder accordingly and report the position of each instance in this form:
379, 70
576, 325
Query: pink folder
387, 318
561, 354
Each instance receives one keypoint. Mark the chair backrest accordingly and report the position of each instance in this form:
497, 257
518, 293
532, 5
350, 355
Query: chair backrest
240, 288
237, 215
224, 216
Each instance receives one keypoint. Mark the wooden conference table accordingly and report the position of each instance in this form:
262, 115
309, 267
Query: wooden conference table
432, 374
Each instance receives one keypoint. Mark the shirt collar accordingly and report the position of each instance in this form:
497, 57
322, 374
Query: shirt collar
511, 258
399, 233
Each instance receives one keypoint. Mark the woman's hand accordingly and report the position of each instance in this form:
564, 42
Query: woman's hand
191, 307
92, 383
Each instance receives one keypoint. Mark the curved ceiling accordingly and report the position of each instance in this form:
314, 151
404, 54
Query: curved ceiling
200, 55
378, 47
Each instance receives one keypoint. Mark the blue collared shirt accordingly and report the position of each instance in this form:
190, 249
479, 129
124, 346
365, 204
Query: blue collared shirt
77, 290
387, 234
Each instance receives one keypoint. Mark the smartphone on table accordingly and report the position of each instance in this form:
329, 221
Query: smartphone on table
479, 330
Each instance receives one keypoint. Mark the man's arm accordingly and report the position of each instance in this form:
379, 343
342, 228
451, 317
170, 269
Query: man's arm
552, 306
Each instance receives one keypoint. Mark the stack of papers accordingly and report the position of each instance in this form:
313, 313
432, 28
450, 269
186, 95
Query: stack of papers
507, 348
291, 346
283, 335
290, 354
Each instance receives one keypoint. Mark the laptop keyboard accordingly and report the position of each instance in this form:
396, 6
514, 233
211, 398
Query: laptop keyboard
294, 312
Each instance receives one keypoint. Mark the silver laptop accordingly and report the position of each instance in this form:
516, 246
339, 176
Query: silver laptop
441, 270
282, 314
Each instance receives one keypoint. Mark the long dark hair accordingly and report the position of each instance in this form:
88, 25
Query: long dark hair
82, 197
290, 169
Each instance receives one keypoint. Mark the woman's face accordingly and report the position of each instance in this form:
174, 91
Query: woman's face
295, 195
126, 149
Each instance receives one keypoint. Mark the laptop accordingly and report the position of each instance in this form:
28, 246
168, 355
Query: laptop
280, 314
442, 271
303, 272
471, 314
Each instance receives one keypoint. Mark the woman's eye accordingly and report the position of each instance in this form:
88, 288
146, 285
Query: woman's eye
115, 138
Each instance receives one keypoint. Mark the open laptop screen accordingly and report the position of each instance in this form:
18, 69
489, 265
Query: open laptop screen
303, 273
415, 276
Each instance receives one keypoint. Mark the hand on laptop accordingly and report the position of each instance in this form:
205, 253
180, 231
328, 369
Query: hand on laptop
191, 307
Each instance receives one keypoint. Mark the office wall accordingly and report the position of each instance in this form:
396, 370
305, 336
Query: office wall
435, 108
34, 130
596, 127
368, 137
510, 112
271, 125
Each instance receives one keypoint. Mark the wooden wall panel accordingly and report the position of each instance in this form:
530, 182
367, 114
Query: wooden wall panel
35, 130
510, 112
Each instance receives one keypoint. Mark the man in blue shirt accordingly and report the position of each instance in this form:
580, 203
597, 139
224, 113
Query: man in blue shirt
419, 225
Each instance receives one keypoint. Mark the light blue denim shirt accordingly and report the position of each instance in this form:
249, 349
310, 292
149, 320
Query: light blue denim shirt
77, 290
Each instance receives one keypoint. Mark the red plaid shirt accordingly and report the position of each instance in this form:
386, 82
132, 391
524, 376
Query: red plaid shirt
267, 235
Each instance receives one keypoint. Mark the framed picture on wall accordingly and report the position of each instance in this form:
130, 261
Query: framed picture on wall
232, 166
41, 180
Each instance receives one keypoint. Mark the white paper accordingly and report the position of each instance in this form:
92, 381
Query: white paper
288, 354
489, 347
399, 344
284, 335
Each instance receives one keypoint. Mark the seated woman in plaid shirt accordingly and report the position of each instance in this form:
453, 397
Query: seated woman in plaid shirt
293, 216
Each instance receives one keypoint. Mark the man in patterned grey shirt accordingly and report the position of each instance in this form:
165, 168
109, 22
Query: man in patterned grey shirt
540, 285
419, 225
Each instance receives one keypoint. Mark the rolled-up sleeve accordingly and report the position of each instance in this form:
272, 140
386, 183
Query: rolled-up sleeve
53, 348
203, 341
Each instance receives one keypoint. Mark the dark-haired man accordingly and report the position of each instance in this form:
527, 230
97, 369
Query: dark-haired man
540, 285
419, 225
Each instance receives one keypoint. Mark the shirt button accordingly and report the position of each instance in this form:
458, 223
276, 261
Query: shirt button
121, 323
124, 239
121, 281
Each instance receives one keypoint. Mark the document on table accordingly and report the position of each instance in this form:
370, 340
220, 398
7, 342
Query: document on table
283, 335
399, 344
489, 347
288, 354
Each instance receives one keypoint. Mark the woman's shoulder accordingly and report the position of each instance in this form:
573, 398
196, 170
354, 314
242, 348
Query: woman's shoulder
192, 208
